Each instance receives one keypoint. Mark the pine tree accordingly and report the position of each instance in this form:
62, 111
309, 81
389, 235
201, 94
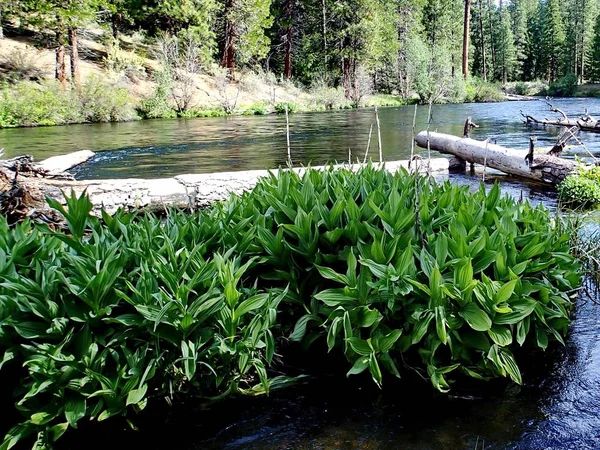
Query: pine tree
506, 51
553, 40
593, 68
245, 26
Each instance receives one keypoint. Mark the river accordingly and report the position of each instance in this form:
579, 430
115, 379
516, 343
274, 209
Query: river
557, 408
161, 148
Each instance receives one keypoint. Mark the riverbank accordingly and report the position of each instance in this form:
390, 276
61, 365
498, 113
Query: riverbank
123, 81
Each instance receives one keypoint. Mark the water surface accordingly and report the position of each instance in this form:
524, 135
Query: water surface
161, 148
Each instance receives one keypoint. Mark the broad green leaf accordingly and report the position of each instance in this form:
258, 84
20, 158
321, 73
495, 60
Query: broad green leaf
505, 292
387, 342
359, 365
136, 395
253, 303
330, 274
500, 335
521, 309
335, 297
421, 327
75, 407
440, 323
509, 364
361, 347
476, 317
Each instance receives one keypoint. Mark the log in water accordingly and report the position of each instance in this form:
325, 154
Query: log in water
545, 168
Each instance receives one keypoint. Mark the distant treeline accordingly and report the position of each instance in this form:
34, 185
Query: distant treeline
402, 46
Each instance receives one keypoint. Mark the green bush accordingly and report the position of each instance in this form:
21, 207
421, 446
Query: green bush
159, 106
581, 189
280, 107
124, 310
537, 87
33, 104
479, 91
194, 113
21, 64
564, 87
258, 109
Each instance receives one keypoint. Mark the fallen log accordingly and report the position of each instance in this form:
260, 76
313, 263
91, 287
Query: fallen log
187, 191
62, 163
519, 98
539, 167
583, 123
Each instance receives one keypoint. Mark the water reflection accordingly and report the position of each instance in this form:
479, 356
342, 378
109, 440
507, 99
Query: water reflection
158, 148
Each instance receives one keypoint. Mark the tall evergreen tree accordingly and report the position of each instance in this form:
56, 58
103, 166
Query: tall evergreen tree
553, 40
506, 51
593, 68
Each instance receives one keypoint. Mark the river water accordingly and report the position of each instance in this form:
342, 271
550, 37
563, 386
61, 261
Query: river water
557, 408
161, 148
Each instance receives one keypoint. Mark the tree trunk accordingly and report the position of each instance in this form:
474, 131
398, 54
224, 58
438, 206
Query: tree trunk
490, 18
115, 21
228, 60
324, 32
75, 76
482, 35
1, 27
466, 25
582, 59
288, 40
347, 76
61, 67
586, 123
545, 168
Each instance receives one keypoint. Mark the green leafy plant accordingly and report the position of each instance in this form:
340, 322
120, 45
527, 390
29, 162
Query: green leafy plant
581, 188
124, 310
281, 107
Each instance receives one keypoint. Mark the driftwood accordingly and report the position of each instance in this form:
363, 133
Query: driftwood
18, 200
526, 164
519, 98
583, 123
185, 191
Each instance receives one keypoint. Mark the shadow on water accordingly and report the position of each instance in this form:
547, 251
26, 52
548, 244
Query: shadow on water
162, 148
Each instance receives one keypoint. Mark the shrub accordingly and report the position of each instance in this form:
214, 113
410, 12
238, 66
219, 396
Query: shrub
581, 189
258, 109
21, 64
564, 87
33, 104
326, 95
479, 91
100, 101
280, 107
537, 87
124, 62
125, 310
195, 113
158, 106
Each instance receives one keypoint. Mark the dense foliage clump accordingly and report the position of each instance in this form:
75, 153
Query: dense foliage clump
118, 311
34, 104
581, 188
